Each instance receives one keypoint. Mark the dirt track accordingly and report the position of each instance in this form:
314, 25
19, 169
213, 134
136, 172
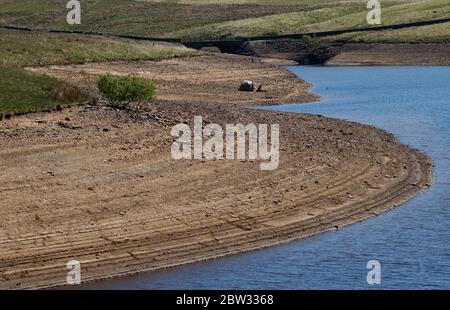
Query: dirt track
99, 185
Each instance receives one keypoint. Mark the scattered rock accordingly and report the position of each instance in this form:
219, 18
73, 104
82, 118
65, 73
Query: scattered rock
247, 86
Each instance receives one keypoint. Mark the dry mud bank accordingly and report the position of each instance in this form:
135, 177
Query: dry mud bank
100, 186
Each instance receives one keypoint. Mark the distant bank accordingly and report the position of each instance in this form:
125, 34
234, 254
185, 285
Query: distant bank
319, 48
347, 53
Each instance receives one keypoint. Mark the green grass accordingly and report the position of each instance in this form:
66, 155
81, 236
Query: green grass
218, 19
23, 92
34, 49
348, 15
186, 19
267, 25
212, 19
166, 17
395, 14
121, 91
135, 17
426, 34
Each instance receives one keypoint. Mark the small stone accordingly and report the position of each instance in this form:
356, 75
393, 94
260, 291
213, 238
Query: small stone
247, 86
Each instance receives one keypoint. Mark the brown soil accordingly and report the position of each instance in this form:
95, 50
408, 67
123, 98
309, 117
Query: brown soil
99, 185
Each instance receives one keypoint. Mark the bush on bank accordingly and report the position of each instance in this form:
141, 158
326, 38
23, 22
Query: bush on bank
122, 91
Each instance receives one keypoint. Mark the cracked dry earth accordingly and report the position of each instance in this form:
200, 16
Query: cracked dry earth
100, 186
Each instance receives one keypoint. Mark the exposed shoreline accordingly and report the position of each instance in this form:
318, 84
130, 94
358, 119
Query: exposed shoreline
115, 200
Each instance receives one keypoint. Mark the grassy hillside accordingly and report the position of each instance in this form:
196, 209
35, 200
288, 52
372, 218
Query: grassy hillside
38, 48
426, 34
135, 17
183, 18
349, 15
214, 19
402, 13
186, 19
22, 91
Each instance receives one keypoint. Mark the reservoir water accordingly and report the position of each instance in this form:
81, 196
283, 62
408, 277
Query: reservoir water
412, 242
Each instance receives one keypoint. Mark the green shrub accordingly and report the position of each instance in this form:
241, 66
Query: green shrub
122, 91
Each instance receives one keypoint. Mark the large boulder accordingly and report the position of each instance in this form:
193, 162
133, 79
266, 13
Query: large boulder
247, 86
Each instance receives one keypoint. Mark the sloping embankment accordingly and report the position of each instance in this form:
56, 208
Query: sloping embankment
100, 186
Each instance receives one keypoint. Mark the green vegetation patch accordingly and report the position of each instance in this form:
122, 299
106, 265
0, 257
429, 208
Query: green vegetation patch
149, 18
439, 33
331, 16
122, 91
38, 48
23, 92
286, 23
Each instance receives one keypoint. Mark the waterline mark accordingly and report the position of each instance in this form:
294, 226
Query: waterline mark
235, 141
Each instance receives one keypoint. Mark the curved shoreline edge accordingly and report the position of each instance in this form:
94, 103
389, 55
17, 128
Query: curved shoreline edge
331, 223
334, 173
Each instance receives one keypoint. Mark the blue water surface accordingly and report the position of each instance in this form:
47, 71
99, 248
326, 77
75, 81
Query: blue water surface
412, 242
